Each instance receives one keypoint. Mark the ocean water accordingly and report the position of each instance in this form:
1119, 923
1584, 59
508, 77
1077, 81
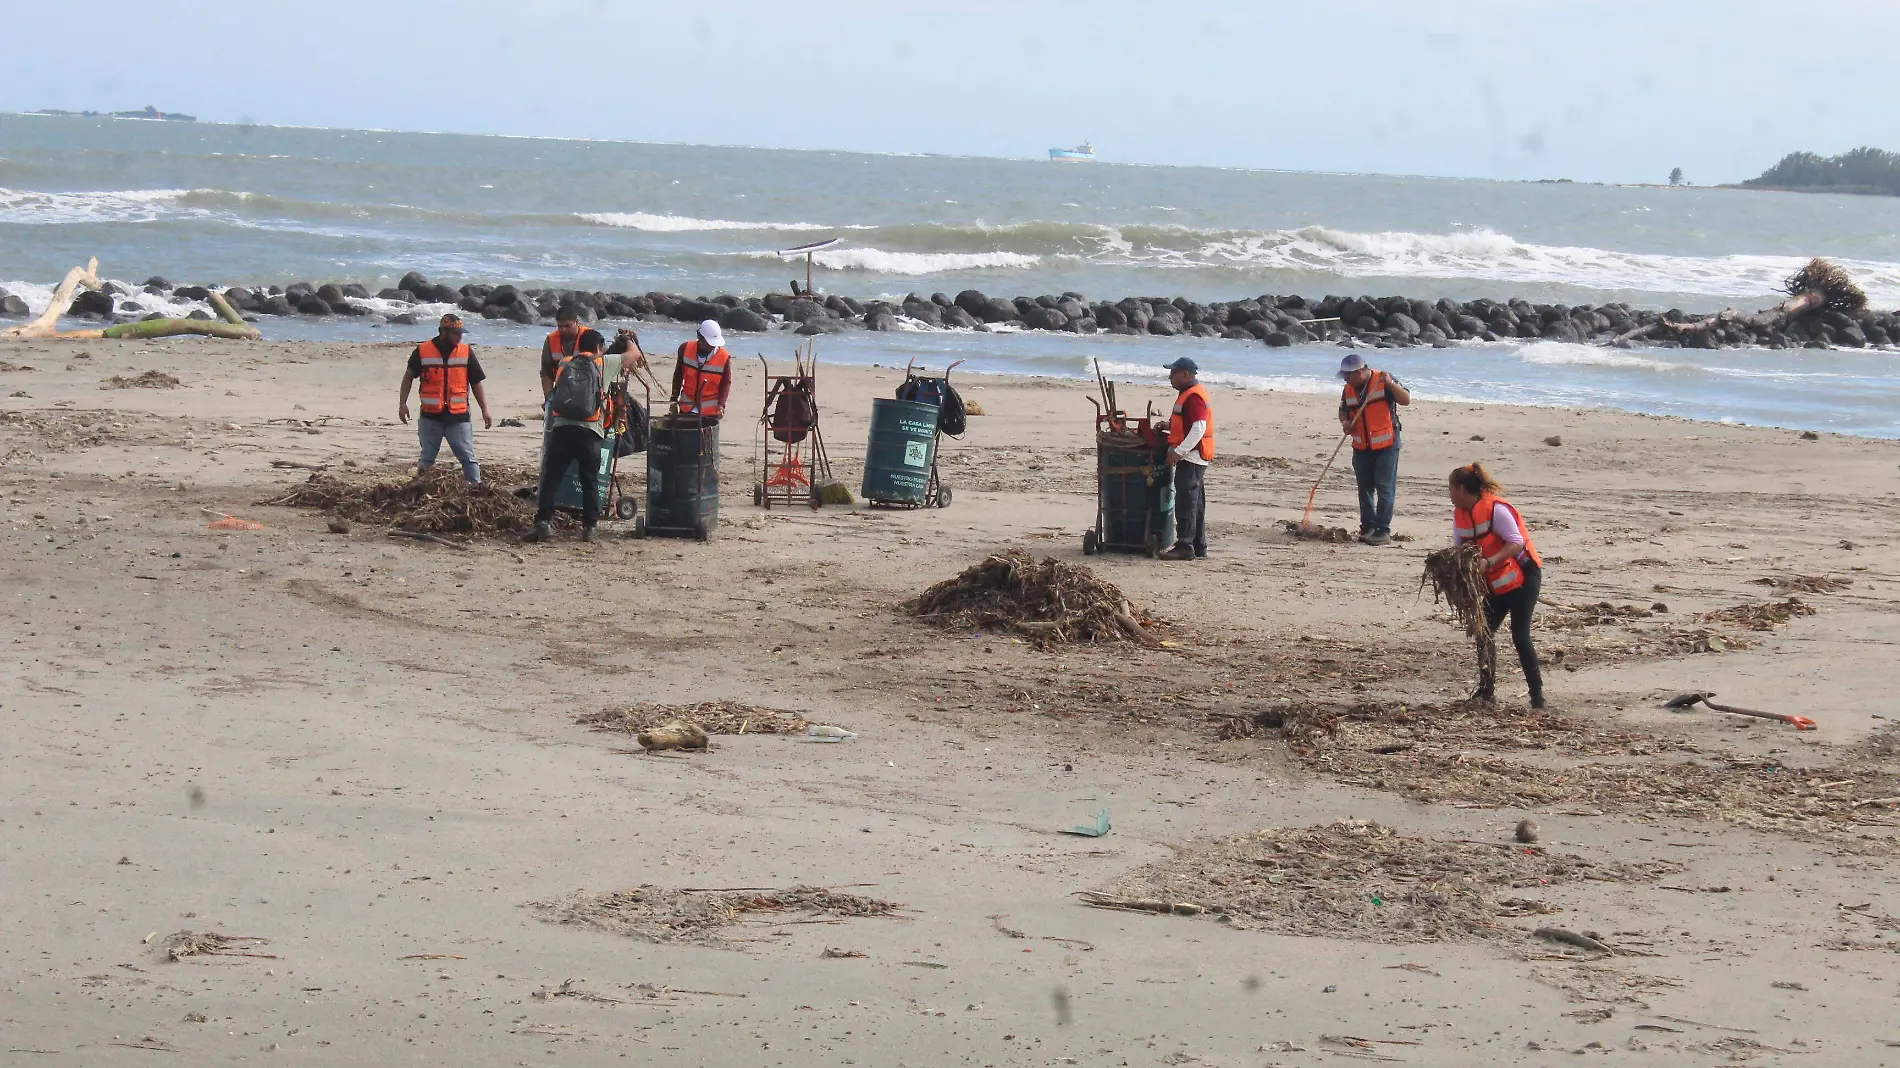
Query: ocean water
213, 204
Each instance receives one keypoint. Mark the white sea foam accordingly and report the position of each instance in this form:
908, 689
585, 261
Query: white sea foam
31, 208
1564, 354
640, 220
1279, 383
918, 263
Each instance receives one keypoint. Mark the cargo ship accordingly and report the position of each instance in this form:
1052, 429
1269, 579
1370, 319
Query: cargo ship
1082, 153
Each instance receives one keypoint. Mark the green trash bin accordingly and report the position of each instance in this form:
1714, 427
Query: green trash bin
567, 495
901, 453
1135, 505
682, 479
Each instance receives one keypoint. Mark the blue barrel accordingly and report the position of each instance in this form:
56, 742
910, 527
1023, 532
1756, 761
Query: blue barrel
1136, 495
682, 478
903, 445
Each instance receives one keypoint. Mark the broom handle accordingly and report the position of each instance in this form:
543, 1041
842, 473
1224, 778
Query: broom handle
1322, 476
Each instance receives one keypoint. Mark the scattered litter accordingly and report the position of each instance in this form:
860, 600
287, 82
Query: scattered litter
713, 717
821, 732
1805, 583
1315, 532
567, 989
1572, 938
673, 735
1100, 828
924, 964
1358, 879
1788, 986
842, 954
1052, 602
231, 522
1140, 904
658, 914
431, 956
185, 944
148, 380
1760, 616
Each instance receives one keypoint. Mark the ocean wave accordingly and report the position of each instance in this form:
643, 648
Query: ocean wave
1563, 354
1315, 384
879, 261
31, 208
667, 224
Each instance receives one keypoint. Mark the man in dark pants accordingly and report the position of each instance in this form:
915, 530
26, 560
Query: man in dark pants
1190, 448
575, 441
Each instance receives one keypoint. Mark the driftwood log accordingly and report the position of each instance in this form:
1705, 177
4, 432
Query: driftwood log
229, 325
1816, 286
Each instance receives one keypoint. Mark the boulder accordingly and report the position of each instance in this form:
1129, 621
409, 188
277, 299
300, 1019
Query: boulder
330, 293
1258, 329
240, 298
405, 319
972, 301
823, 325
1163, 325
414, 282
941, 300
1203, 330
396, 294
927, 312
1432, 336
313, 306
1277, 339
1402, 323
998, 310
956, 318
1235, 333
727, 300
157, 284
91, 304
1071, 309
13, 306
845, 306
1041, 318
199, 314
274, 305
1086, 325
1025, 306
695, 311
1242, 311
880, 320
192, 293
1562, 330
1851, 336
354, 290
521, 312
805, 311
1109, 317
744, 320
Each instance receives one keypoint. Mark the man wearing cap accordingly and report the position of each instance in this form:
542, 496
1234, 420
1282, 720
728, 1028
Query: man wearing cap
450, 374
1367, 411
703, 375
1190, 447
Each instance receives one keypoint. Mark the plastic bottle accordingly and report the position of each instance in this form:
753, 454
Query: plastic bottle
819, 732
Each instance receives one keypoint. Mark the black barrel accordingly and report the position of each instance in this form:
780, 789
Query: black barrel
903, 444
682, 478
1136, 496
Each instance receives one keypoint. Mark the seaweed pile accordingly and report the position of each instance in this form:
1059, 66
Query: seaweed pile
436, 501
1049, 601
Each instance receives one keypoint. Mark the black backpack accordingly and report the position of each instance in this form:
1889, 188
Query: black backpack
940, 392
794, 412
579, 391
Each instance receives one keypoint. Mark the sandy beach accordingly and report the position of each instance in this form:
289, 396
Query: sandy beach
363, 750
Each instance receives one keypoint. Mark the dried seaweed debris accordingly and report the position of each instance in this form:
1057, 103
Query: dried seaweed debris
1361, 880
713, 717
660, 914
436, 501
1050, 601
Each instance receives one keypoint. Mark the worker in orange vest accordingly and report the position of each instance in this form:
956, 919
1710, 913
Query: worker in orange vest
1190, 448
702, 377
1512, 568
1367, 411
575, 435
450, 374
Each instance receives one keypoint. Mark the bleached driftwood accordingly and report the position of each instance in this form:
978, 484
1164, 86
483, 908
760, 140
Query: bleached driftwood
229, 323
47, 325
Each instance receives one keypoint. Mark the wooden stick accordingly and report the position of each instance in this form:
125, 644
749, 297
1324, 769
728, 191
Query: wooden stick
428, 537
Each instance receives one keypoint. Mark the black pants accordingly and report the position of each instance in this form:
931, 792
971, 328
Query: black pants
1190, 506
571, 445
1518, 604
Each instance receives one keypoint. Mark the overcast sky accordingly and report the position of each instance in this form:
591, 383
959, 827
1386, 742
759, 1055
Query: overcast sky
1612, 90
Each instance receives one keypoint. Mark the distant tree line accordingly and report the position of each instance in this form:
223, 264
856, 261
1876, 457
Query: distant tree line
1864, 170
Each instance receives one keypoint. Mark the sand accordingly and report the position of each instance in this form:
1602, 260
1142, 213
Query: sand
365, 751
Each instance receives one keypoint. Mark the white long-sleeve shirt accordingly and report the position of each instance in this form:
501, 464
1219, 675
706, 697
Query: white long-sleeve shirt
1503, 524
1189, 449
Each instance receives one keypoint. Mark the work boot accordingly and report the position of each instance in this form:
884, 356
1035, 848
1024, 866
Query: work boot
1179, 552
587, 533
1537, 702
543, 531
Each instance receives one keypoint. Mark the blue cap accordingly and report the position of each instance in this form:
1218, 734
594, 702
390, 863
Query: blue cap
1184, 364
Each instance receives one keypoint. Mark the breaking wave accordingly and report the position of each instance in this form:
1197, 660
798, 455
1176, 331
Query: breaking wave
667, 224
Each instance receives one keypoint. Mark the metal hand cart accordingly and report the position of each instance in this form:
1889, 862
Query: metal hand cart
789, 450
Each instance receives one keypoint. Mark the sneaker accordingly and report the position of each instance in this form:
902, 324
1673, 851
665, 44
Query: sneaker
587, 533
541, 532
1200, 554
1538, 704
1179, 552
1376, 538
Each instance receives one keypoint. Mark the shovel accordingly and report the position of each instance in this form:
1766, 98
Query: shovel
1701, 697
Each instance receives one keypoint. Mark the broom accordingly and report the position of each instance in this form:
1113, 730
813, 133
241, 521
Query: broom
1306, 518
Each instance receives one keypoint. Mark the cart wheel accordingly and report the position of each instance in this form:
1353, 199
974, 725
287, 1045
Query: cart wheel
1153, 546
817, 498
701, 531
640, 526
758, 494
1091, 543
943, 496
626, 508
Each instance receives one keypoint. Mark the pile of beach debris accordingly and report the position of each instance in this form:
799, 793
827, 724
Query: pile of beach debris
1049, 601
437, 501
1361, 880
712, 717
700, 917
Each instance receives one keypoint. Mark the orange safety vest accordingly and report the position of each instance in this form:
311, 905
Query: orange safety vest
1475, 525
702, 374
561, 359
1178, 427
1374, 424
444, 378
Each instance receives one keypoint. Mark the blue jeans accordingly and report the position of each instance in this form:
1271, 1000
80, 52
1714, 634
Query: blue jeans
461, 439
1378, 473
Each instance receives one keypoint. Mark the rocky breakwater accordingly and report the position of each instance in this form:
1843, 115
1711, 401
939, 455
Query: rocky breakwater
1275, 321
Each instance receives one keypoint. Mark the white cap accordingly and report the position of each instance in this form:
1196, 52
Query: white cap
1352, 364
713, 335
